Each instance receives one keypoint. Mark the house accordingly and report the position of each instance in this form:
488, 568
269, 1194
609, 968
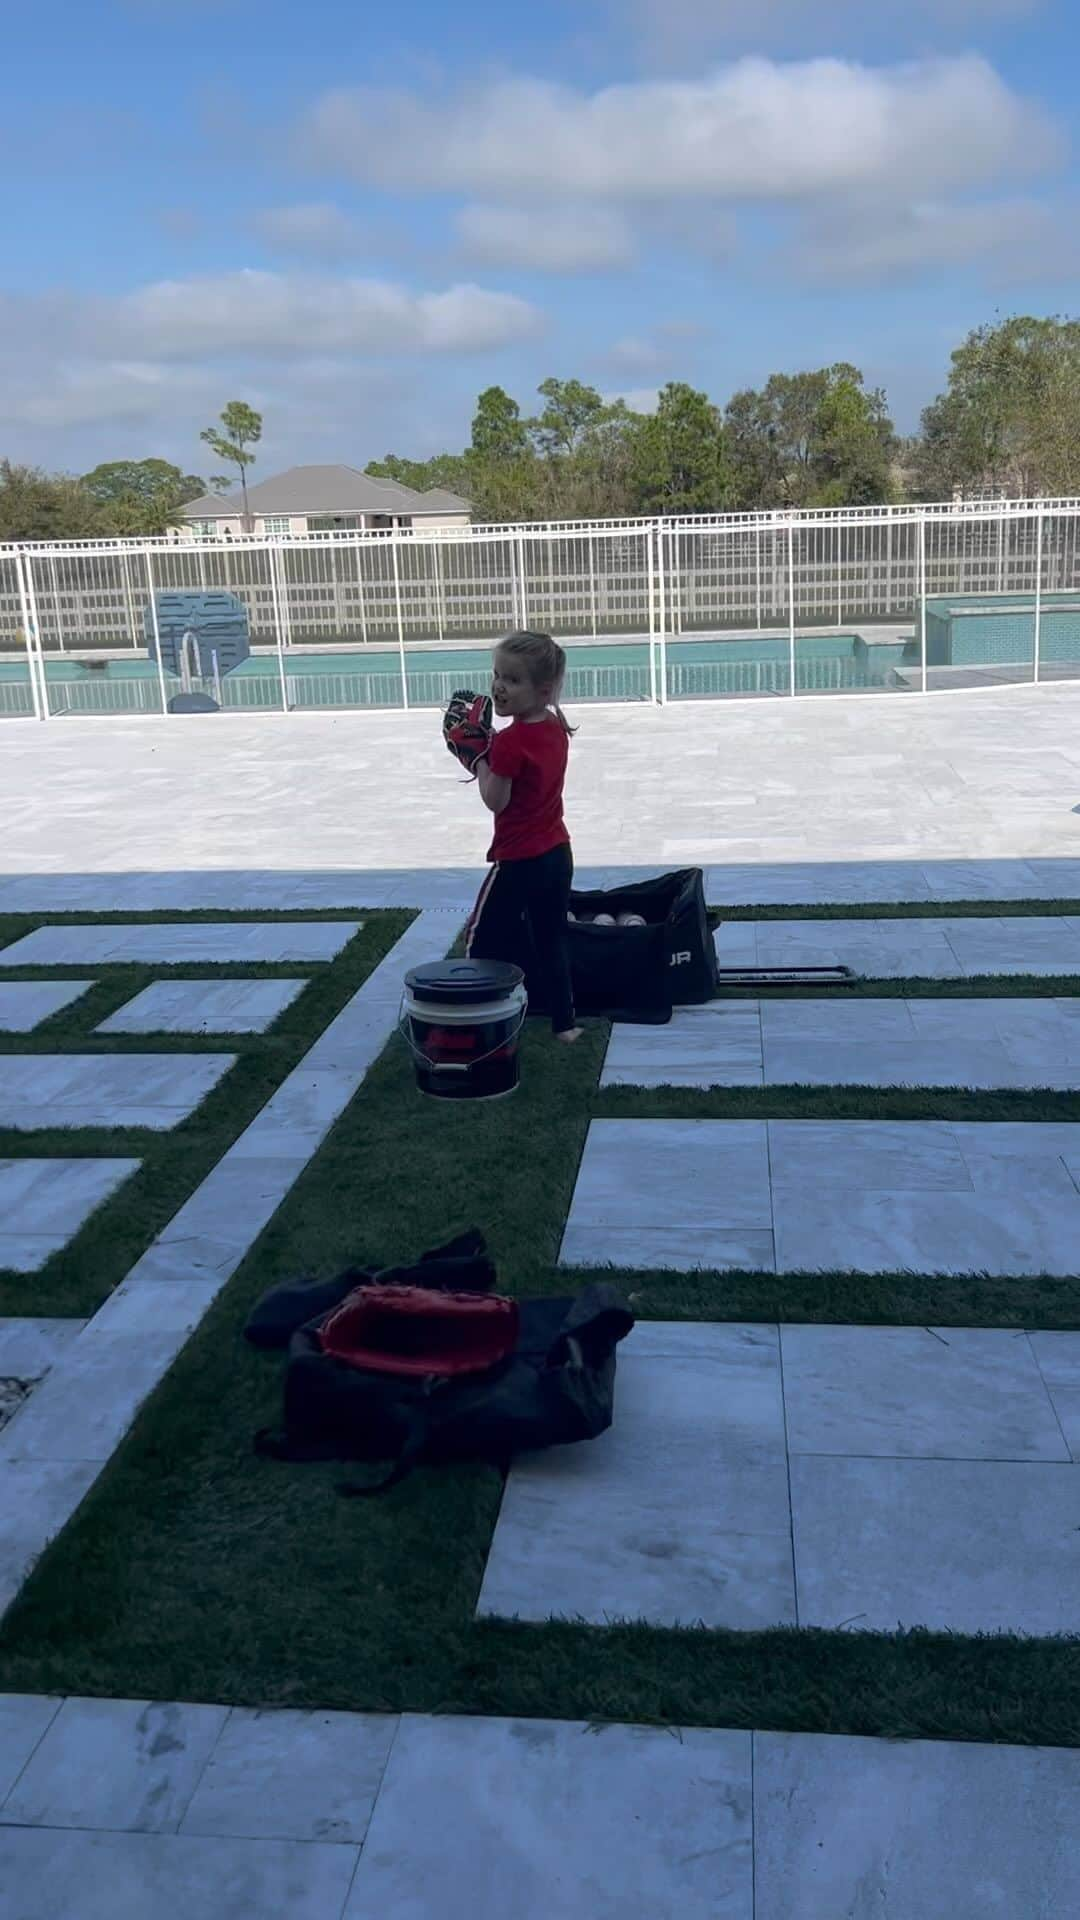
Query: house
324, 500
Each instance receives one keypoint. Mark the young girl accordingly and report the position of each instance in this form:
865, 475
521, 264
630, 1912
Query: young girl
521, 783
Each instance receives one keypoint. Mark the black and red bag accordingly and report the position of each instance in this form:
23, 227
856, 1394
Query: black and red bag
410, 1373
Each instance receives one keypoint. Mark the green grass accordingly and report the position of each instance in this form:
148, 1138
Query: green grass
903, 910
196, 1570
78, 1277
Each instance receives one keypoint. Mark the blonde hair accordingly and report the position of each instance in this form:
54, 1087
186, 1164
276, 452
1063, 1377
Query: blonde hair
545, 663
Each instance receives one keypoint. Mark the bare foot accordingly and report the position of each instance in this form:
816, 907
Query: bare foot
571, 1034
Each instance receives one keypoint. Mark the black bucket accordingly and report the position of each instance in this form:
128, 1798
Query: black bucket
462, 1020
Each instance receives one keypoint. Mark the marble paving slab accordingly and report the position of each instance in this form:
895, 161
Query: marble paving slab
930, 1483
908, 949
684, 1501
155, 1090
29, 1347
991, 1043
24, 1004
204, 1006
52, 1874
552, 1818
290, 1775
913, 1829
960, 1546
43, 1203
180, 943
56, 1444
828, 1196
130, 1765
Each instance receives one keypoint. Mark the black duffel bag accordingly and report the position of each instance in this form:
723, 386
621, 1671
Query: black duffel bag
636, 973
556, 1386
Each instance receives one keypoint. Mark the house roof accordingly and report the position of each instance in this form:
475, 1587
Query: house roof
211, 506
440, 499
330, 489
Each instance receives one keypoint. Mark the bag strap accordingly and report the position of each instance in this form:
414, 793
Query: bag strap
409, 1456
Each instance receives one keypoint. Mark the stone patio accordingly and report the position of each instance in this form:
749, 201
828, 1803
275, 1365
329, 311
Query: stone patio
185, 943
115, 1810
906, 949
821, 1476
155, 1090
850, 1477
854, 1042
810, 1196
43, 1203
56, 1443
204, 1006
24, 1004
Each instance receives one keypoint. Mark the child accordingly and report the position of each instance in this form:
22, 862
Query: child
521, 783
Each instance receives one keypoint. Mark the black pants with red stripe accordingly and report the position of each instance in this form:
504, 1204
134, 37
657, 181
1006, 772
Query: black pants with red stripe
536, 892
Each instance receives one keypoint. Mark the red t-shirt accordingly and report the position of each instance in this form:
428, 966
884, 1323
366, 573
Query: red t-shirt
532, 754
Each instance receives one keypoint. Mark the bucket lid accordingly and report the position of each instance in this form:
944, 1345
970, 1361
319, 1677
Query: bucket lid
463, 983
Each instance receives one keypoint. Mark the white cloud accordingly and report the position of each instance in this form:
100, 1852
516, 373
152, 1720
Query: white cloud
83, 393
272, 313
314, 228
170, 349
1007, 241
579, 239
754, 129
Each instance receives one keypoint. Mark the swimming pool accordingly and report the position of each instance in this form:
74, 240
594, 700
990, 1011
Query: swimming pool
319, 681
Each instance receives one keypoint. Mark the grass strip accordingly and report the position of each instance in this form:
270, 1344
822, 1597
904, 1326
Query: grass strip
80, 1275
197, 1571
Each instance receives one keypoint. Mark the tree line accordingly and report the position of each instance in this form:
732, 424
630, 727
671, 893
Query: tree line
1007, 423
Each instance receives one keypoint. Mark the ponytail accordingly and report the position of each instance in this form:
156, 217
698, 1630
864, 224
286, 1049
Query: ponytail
545, 663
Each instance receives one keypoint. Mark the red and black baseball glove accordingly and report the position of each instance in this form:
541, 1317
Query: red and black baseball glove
467, 728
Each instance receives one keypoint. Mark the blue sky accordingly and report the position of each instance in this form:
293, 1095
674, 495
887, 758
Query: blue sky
356, 218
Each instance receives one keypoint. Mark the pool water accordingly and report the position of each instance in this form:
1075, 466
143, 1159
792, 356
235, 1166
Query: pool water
697, 669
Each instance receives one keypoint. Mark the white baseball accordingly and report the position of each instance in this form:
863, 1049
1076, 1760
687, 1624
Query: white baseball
604, 920
631, 920
570, 916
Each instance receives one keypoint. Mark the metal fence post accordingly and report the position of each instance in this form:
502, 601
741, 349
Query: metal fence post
661, 605
791, 603
40, 698
157, 632
757, 570
1038, 590
521, 581
400, 621
922, 597
279, 625
592, 582
651, 570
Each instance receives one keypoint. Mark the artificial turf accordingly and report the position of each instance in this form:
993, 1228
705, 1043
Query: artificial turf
197, 1570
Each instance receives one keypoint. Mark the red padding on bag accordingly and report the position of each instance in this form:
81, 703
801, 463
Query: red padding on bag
417, 1331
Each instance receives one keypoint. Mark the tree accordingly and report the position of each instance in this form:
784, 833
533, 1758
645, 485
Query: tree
1009, 419
498, 430
855, 444
571, 410
680, 459
449, 470
243, 429
47, 506
142, 496
810, 439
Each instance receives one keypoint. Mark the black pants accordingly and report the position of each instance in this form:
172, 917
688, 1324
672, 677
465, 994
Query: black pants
530, 897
